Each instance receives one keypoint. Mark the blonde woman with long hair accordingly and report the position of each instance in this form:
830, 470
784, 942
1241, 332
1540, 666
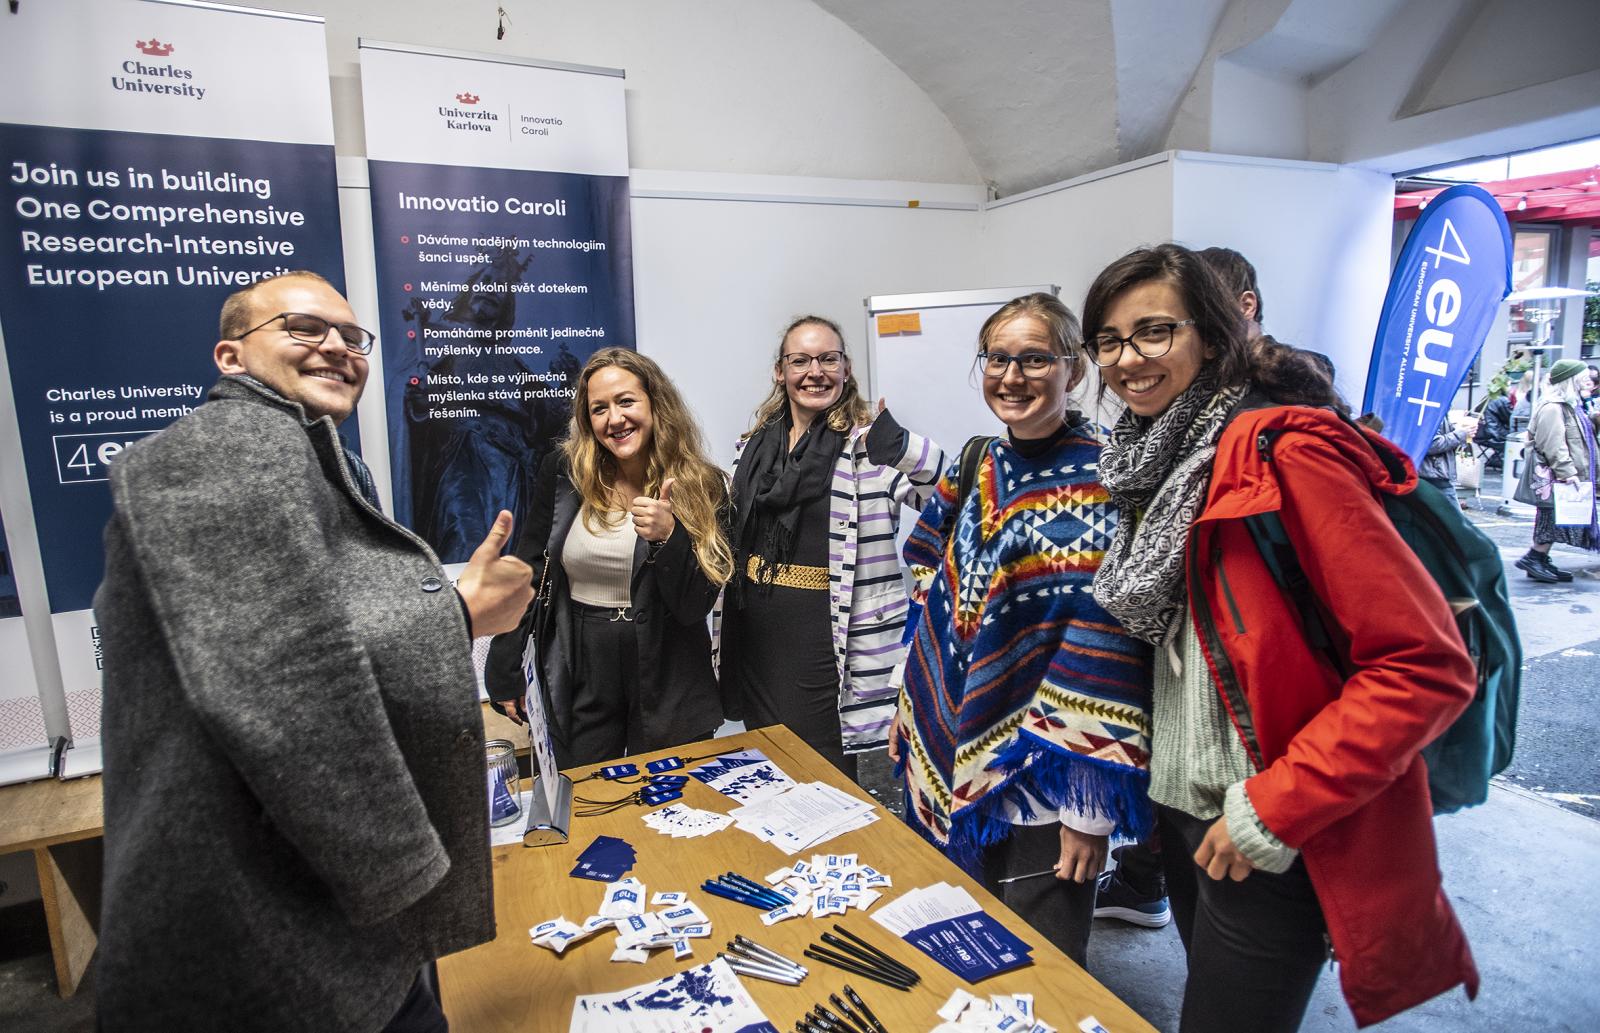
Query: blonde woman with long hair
810, 630
625, 538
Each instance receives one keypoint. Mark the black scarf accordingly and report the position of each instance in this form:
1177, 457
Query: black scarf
771, 486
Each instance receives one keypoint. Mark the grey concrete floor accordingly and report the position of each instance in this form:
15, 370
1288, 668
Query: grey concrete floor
1520, 869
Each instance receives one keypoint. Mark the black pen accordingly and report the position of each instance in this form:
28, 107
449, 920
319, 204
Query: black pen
860, 970
886, 956
872, 959
844, 1009
838, 1023
856, 1000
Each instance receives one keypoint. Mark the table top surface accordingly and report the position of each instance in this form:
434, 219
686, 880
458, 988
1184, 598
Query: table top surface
510, 984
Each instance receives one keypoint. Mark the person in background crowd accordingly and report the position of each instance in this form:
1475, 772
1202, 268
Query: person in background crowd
1592, 402
1239, 277
811, 625
1019, 689
1439, 462
626, 538
1281, 786
1493, 429
295, 807
1563, 449
1522, 407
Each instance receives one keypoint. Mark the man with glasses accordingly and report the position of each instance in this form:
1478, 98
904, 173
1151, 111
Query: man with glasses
294, 784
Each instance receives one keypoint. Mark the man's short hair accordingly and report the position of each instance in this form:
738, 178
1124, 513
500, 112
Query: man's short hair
1236, 272
236, 318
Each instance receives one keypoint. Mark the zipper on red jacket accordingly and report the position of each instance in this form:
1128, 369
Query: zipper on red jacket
1227, 589
1232, 693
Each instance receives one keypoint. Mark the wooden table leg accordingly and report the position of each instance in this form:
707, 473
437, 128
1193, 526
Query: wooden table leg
69, 882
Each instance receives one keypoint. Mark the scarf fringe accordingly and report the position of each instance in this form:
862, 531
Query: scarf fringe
1060, 778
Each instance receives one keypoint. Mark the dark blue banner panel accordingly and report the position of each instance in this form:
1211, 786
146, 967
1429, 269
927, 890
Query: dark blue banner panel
495, 287
116, 252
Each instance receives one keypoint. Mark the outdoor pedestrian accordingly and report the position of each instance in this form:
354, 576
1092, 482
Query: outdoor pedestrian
1562, 450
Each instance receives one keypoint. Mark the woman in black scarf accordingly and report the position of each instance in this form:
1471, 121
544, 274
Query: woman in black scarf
811, 625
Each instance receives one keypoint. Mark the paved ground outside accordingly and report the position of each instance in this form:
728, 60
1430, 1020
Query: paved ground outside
1520, 869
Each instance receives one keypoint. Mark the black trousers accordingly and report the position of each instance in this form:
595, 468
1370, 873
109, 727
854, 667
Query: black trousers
420, 1012
607, 720
1061, 910
782, 663
1255, 947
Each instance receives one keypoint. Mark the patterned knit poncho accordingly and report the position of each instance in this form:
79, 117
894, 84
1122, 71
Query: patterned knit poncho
1017, 682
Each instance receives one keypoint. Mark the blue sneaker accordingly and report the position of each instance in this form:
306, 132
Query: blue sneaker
1115, 899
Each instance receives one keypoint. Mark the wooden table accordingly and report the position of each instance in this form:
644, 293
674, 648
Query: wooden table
510, 984
62, 823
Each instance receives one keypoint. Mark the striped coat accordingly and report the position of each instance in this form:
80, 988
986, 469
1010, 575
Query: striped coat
867, 596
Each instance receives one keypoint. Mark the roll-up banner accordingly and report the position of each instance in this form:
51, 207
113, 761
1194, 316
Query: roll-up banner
157, 157
1446, 289
504, 260
24, 743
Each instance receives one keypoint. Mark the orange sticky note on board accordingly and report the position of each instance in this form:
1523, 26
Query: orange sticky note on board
899, 323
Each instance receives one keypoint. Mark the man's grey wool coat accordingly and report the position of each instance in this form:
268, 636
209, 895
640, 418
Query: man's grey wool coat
296, 811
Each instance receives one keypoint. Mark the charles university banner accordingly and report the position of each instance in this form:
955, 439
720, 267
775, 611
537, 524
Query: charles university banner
1452, 274
157, 157
504, 260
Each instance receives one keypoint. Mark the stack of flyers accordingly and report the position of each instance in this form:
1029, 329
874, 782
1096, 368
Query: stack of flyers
1000, 1013
744, 777
604, 860
828, 884
706, 998
945, 923
682, 822
803, 816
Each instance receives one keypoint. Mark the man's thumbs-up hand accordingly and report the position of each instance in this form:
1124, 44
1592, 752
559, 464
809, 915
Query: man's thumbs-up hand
652, 518
496, 588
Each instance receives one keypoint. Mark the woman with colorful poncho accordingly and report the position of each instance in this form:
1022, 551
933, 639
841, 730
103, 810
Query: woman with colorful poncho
1023, 726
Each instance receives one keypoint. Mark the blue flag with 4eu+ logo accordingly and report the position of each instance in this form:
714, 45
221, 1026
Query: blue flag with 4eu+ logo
1452, 274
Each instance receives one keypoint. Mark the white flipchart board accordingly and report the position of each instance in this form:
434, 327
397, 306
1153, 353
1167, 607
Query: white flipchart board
927, 374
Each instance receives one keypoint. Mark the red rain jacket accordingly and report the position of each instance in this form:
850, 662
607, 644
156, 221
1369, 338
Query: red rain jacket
1339, 776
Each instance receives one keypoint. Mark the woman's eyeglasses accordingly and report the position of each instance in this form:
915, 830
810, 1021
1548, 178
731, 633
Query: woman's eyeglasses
1033, 365
798, 362
1150, 342
309, 329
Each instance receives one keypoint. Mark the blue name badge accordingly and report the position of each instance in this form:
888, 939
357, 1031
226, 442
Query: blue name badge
664, 764
652, 797
669, 781
619, 771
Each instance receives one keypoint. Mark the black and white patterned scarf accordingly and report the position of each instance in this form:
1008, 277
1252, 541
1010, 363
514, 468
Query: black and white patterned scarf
1157, 471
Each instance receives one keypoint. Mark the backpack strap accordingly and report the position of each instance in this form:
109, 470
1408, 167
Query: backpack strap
967, 473
1277, 551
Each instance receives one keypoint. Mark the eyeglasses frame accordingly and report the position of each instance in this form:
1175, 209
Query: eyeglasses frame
371, 337
982, 360
811, 360
1127, 342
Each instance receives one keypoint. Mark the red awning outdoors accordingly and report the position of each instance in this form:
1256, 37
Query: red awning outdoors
1569, 197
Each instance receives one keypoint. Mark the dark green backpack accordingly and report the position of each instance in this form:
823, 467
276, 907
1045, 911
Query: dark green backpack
1468, 569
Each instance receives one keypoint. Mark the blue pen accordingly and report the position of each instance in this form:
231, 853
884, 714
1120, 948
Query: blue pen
754, 889
716, 889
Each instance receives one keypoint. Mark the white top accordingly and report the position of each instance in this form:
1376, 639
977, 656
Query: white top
599, 564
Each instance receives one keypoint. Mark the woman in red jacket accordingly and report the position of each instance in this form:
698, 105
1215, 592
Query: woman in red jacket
1293, 808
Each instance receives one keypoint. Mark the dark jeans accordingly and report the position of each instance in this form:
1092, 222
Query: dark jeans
1255, 947
420, 1012
1140, 868
1062, 911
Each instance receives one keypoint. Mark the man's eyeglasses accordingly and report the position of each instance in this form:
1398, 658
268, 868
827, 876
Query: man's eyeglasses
796, 362
1150, 342
309, 329
1033, 365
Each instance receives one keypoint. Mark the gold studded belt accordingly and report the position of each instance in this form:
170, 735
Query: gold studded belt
788, 575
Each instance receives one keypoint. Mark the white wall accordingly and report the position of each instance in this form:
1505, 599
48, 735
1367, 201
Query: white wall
776, 87
1318, 235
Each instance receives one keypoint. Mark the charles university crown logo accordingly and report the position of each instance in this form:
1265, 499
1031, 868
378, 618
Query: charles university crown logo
153, 47
467, 98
